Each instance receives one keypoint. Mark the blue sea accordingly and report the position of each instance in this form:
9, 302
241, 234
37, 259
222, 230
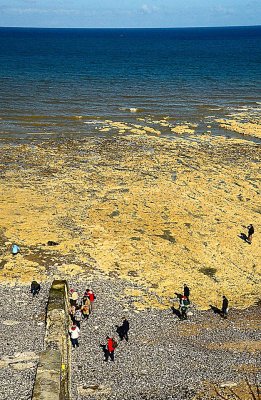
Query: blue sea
69, 82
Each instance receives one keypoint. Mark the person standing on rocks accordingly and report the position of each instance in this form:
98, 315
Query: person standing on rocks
186, 291
90, 294
35, 288
15, 249
224, 310
78, 317
74, 332
111, 346
72, 310
73, 297
250, 233
183, 307
123, 330
86, 308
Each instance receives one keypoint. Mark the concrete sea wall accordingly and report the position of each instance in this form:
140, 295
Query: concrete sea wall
53, 373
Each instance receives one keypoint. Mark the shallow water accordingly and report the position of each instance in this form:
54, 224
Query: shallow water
70, 81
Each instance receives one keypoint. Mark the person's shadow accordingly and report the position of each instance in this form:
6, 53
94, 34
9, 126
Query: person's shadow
243, 236
215, 310
105, 350
120, 331
176, 312
179, 295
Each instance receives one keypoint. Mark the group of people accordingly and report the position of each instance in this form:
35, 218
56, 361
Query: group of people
80, 310
111, 343
184, 304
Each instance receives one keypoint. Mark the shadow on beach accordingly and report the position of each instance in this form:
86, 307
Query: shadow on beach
216, 310
243, 236
176, 312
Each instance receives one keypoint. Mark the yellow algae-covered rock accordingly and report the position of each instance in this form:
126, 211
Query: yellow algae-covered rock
71, 269
138, 131
152, 130
104, 129
245, 128
18, 270
182, 129
133, 292
132, 128
140, 306
149, 210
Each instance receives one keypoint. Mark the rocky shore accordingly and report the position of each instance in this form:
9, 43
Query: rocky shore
135, 216
22, 329
165, 358
145, 209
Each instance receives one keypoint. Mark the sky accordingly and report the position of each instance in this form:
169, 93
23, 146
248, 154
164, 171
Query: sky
129, 13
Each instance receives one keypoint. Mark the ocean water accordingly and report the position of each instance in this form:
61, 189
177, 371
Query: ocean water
72, 81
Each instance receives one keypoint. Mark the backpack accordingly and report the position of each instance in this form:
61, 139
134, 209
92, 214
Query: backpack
114, 343
78, 315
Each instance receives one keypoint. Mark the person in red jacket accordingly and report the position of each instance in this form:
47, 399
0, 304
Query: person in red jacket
89, 293
111, 346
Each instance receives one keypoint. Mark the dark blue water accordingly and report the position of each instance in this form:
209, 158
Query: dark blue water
51, 77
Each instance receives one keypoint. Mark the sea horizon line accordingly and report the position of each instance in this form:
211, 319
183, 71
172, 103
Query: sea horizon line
133, 28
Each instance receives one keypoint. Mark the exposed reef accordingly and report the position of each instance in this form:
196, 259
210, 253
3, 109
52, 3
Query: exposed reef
148, 209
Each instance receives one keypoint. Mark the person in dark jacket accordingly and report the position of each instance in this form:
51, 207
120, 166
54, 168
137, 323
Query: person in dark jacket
183, 307
186, 291
35, 288
250, 233
224, 309
123, 330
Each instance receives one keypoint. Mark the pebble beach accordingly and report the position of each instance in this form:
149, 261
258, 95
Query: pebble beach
165, 358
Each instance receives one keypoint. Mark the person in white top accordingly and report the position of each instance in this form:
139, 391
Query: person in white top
74, 332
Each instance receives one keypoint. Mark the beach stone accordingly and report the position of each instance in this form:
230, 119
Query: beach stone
228, 384
10, 322
94, 390
3, 363
21, 366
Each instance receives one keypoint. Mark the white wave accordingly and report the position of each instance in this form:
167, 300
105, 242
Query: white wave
94, 122
131, 109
